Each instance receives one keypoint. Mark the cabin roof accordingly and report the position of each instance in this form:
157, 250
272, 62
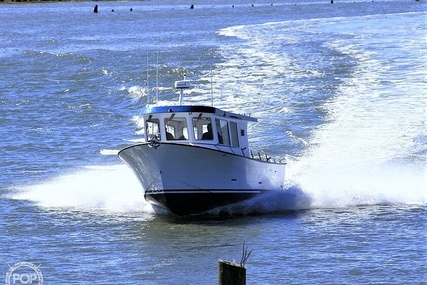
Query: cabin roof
196, 109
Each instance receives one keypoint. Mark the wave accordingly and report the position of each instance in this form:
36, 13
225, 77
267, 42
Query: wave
115, 189
95, 188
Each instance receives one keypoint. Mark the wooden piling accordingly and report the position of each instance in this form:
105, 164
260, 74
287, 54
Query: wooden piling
230, 273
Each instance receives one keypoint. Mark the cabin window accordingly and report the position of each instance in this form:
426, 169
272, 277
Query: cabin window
222, 128
202, 127
176, 128
152, 129
234, 135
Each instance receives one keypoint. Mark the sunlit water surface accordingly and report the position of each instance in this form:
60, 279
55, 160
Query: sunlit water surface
340, 93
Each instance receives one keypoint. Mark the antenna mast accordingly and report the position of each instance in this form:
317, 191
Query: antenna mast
211, 88
157, 78
148, 88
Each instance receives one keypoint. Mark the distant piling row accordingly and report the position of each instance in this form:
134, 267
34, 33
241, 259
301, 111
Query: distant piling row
96, 9
232, 6
192, 7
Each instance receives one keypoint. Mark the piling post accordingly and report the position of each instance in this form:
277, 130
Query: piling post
230, 273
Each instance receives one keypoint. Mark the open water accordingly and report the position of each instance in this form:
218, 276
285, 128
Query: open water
340, 91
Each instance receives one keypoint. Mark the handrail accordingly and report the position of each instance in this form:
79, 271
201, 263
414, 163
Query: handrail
260, 156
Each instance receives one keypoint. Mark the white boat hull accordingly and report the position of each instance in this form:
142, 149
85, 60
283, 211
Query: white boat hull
187, 179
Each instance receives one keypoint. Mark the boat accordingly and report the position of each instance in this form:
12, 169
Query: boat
196, 158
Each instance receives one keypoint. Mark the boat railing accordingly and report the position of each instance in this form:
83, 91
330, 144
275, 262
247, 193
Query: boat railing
264, 157
154, 142
258, 156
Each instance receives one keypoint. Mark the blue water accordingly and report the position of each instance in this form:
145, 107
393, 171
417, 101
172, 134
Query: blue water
340, 93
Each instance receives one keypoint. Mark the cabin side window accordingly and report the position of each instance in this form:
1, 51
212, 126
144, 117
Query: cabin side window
234, 135
202, 127
176, 128
152, 127
224, 134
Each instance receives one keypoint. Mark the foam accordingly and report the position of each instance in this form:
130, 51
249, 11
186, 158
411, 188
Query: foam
94, 188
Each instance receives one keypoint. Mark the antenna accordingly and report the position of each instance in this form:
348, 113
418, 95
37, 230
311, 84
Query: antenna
211, 88
157, 78
148, 88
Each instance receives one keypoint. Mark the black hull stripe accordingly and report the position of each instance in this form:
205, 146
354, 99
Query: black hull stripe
192, 202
